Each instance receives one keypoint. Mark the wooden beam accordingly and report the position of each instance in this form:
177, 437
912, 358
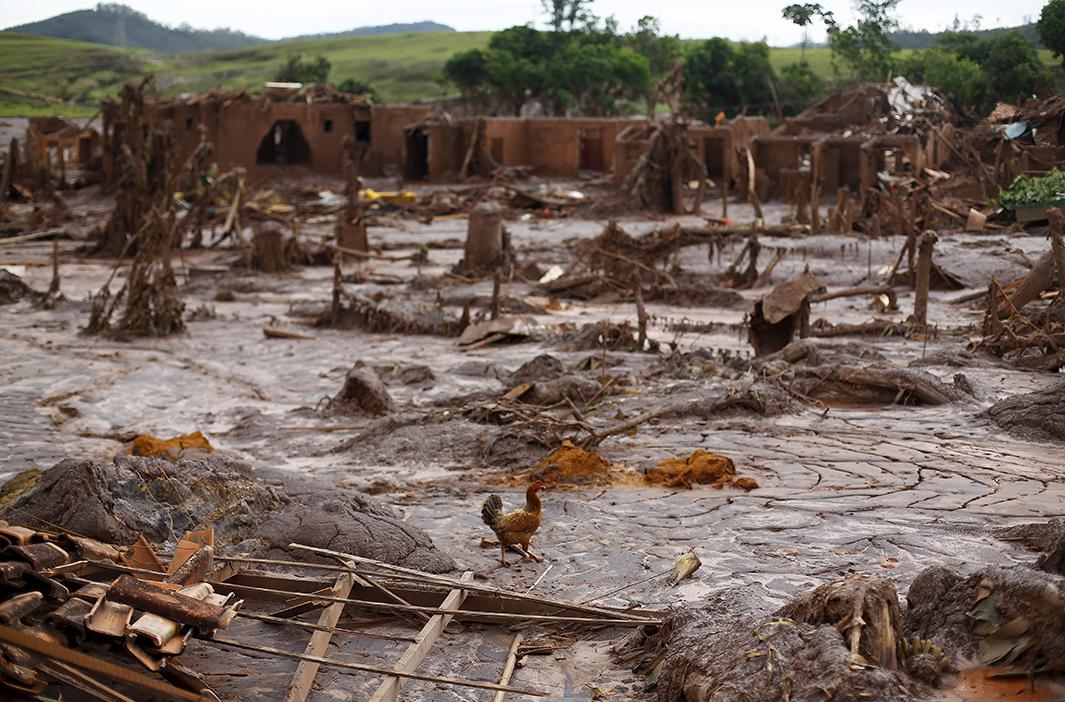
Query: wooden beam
344, 665
308, 669
417, 651
430, 578
508, 669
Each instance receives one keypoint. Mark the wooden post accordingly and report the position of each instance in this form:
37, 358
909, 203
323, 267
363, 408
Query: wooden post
724, 197
497, 285
924, 274
413, 656
338, 284
61, 158
1057, 246
815, 211
303, 678
641, 313
53, 287
10, 169
351, 229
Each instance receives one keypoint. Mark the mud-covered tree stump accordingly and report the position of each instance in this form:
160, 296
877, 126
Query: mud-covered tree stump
269, 245
484, 238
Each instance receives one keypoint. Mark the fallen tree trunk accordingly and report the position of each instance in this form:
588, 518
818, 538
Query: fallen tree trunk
848, 385
1038, 279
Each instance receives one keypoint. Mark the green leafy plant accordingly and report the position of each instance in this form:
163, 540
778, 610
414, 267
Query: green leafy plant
1026, 191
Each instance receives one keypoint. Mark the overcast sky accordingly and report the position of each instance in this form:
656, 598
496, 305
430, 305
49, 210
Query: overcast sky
745, 19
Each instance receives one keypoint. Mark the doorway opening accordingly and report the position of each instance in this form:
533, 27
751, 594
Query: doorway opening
591, 147
283, 145
416, 154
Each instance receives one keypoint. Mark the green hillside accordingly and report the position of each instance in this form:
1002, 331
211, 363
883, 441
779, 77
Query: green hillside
40, 75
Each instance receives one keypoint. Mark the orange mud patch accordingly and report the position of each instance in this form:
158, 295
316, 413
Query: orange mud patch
150, 446
569, 464
745, 483
700, 468
975, 685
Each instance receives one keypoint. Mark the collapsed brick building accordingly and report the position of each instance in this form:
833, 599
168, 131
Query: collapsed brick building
289, 126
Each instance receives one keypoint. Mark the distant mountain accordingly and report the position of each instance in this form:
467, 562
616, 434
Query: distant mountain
119, 25
398, 28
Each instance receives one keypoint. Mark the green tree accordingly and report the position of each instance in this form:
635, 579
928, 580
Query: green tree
515, 60
1013, 68
357, 86
593, 77
297, 70
799, 87
660, 50
753, 75
1051, 27
803, 15
866, 46
708, 86
568, 14
468, 71
958, 78
720, 76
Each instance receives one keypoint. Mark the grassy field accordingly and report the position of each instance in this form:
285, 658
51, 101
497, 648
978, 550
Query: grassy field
40, 75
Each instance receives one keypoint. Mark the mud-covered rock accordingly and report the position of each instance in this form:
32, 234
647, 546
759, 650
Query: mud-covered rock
363, 393
728, 648
568, 387
543, 367
1004, 617
1036, 415
117, 501
13, 289
406, 374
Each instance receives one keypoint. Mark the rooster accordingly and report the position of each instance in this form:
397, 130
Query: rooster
514, 528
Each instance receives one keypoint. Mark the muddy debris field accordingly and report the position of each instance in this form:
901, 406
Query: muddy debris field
784, 446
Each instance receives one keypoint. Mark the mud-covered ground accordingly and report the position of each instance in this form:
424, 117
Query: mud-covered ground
881, 489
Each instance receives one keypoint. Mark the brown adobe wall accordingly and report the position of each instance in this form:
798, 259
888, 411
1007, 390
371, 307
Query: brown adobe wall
447, 150
773, 154
387, 127
838, 162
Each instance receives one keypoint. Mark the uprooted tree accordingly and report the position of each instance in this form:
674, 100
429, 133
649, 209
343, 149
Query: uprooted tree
144, 222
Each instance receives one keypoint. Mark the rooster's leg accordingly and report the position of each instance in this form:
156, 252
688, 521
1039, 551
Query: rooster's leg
503, 556
530, 554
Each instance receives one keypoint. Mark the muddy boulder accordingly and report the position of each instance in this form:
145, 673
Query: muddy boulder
253, 512
363, 393
1009, 618
1039, 415
729, 647
13, 289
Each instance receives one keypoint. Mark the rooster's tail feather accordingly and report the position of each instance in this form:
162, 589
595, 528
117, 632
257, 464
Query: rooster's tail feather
492, 510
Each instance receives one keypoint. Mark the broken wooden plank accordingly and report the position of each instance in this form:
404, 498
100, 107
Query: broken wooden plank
275, 333
416, 653
57, 652
303, 678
